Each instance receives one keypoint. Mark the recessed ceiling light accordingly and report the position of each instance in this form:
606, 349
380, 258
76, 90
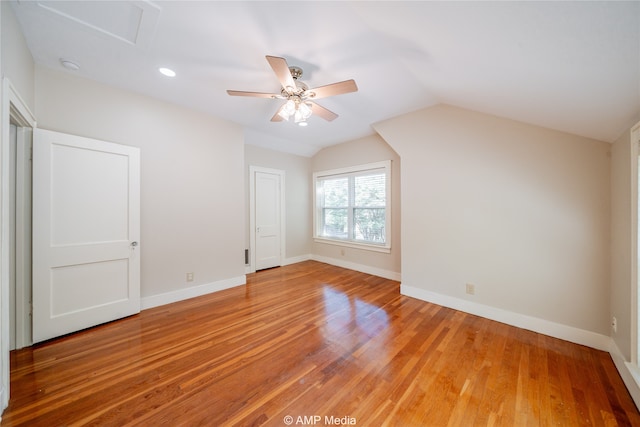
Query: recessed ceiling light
69, 65
167, 72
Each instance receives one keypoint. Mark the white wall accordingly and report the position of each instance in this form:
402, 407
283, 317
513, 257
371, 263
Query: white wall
361, 151
520, 211
297, 196
192, 180
17, 62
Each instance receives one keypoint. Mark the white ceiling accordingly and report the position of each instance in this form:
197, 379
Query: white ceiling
571, 66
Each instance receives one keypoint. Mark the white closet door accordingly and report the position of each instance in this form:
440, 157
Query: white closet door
268, 232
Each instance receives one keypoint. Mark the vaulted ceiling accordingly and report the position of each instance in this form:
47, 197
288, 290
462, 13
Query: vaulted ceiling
571, 66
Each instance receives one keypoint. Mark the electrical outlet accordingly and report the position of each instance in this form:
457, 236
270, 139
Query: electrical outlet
614, 324
471, 289
189, 277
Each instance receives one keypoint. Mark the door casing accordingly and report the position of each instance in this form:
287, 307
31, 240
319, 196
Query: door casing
14, 110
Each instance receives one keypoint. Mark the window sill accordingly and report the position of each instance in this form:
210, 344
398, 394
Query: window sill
349, 244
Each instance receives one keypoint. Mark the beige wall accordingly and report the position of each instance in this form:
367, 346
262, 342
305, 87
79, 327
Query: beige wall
17, 62
297, 196
361, 151
520, 211
192, 180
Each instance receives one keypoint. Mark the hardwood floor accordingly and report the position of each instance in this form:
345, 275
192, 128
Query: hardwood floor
312, 340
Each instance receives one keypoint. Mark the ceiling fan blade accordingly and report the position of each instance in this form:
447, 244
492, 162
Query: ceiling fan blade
346, 86
281, 68
320, 111
253, 94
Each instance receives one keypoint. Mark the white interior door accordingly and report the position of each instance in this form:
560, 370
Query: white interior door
268, 220
86, 227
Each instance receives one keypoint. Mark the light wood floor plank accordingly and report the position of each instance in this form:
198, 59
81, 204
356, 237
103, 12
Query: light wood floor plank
311, 340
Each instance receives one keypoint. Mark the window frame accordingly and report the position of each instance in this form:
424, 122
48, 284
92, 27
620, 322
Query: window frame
352, 171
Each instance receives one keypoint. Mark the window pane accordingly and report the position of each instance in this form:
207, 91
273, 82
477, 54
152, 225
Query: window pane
335, 192
335, 223
352, 205
369, 224
370, 190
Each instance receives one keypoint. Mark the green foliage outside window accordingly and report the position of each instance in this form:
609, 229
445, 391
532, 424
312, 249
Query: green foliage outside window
360, 199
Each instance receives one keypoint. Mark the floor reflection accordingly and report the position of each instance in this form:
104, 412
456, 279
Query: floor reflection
351, 323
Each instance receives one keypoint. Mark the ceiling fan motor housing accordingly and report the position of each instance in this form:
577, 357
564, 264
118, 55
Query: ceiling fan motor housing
296, 72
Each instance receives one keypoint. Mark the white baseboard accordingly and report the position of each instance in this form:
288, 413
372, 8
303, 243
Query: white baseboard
391, 275
628, 372
192, 292
296, 259
287, 261
546, 327
4, 397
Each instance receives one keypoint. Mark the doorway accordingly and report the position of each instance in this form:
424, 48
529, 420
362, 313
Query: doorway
16, 220
19, 236
17, 123
267, 217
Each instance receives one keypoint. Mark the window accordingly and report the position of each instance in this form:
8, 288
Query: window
352, 206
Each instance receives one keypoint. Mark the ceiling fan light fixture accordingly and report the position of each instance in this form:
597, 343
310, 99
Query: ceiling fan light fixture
288, 109
302, 112
305, 110
282, 113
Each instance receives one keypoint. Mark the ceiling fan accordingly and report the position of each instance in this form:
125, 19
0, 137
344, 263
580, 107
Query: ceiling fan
299, 98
